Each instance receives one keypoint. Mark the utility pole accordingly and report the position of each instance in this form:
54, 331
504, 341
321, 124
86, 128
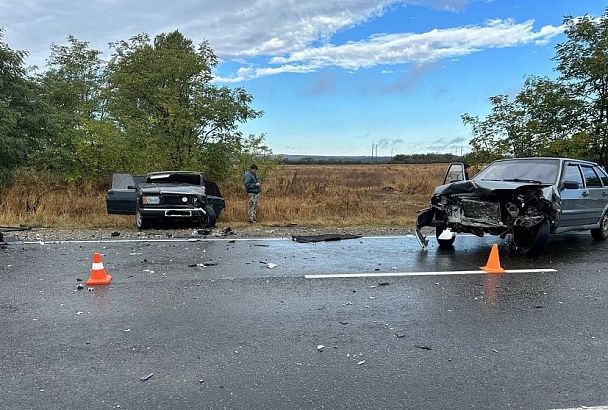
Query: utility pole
372, 153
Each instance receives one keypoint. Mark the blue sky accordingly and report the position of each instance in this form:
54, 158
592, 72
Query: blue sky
335, 77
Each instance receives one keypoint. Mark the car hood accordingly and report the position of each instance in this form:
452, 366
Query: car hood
484, 187
157, 189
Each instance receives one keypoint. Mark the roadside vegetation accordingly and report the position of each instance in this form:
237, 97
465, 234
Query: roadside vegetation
337, 195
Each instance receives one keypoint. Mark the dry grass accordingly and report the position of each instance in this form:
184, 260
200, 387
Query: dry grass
316, 195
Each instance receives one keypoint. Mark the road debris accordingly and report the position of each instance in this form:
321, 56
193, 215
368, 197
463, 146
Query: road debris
361, 362
384, 283
202, 265
115, 234
320, 347
79, 286
400, 335
423, 347
145, 378
342, 322
324, 238
269, 265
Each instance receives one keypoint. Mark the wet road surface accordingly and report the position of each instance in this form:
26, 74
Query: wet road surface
237, 334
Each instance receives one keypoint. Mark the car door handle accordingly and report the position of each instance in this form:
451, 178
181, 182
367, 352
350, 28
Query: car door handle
585, 193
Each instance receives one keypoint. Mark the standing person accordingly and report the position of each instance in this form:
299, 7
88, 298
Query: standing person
253, 186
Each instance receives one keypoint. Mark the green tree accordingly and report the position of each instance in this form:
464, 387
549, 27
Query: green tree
78, 133
174, 117
21, 115
565, 117
582, 62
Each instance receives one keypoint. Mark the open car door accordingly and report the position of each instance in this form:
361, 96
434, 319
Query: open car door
214, 196
456, 172
122, 196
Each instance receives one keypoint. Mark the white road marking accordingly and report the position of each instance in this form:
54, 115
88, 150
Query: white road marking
438, 273
586, 408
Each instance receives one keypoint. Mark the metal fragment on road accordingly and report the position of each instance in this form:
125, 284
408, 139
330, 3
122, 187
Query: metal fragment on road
271, 265
361, 362
320, 347
145, 378
423, 347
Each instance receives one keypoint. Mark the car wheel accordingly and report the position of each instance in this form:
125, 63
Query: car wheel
530, 241
601, 234
209, 219
444, 243
140, 221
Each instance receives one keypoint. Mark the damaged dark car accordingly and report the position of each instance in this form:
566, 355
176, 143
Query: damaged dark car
165, 196
522, 200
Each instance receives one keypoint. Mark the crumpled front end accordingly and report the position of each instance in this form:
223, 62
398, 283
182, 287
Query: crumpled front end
493, 208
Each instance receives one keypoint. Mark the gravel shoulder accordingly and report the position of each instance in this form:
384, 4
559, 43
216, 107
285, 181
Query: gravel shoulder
221, 231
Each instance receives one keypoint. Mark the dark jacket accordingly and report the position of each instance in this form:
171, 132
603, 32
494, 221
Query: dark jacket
250, 181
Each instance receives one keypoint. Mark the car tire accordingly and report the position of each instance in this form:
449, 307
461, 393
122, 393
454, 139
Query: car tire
209, 219
140, 221
601, 233
444, 243
529, 242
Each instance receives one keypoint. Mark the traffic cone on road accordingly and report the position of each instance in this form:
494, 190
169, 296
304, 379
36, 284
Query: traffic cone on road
493, 264
99, 276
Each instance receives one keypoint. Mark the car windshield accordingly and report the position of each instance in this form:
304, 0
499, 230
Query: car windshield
190, 179
530, 170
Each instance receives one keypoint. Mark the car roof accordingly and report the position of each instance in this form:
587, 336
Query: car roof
563, 159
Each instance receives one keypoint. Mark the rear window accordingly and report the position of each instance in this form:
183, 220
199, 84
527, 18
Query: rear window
602, 175
591, 178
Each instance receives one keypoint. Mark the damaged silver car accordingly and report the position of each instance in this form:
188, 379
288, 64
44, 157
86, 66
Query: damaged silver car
522, 200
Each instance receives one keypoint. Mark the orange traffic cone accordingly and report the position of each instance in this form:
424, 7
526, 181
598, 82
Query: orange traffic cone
493, 265
99, 276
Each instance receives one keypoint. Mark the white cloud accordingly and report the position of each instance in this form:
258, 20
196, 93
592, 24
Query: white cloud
235, 28
405, 48
292, 35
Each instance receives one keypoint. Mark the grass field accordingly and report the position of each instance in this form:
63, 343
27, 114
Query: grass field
315, 195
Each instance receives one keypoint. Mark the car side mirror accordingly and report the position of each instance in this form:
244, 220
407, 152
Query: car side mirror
571, 185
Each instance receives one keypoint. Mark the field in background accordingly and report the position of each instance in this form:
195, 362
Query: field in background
316, 195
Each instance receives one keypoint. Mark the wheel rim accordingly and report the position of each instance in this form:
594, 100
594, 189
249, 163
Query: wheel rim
605, 225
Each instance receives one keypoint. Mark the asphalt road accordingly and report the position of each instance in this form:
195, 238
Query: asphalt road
238, 334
